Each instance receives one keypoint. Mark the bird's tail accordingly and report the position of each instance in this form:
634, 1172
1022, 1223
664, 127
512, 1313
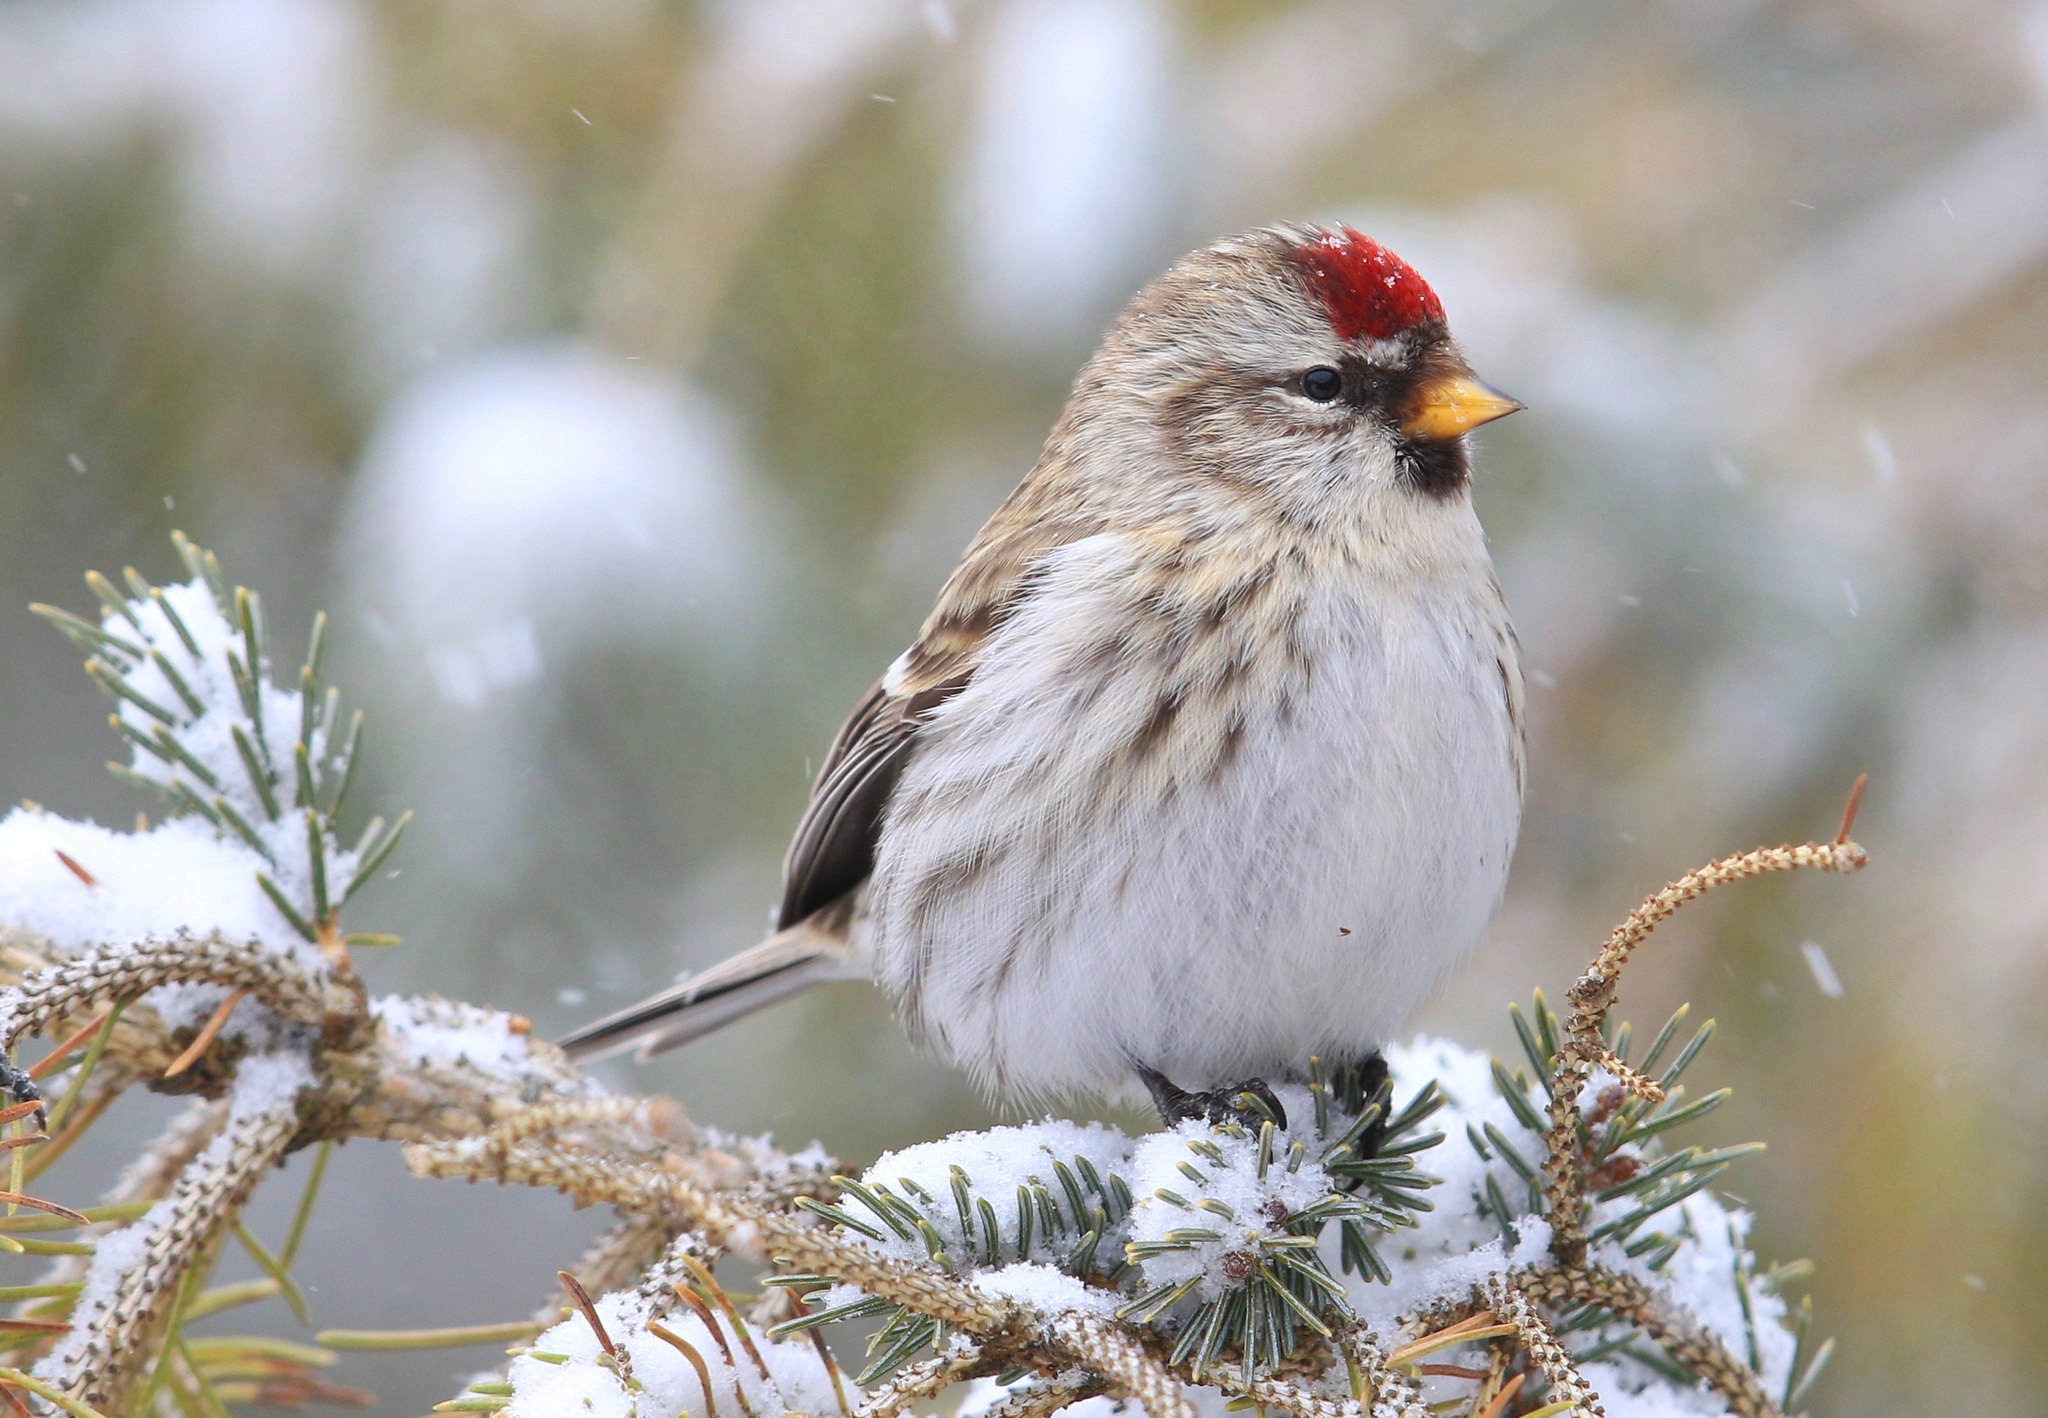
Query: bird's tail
787, 963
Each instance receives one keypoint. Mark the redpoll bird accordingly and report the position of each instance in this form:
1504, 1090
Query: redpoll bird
1209, 758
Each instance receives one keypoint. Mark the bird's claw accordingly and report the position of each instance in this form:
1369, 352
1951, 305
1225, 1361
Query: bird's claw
1251, 1102
19, 1086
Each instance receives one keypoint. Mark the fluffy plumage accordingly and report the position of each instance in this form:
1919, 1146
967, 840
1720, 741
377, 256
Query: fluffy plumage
1209, 756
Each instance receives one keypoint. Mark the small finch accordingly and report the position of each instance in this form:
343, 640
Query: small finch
1209, 757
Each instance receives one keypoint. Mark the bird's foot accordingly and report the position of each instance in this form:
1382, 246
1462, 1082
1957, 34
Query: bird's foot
1355, 1086
16, 1084
1250, 1102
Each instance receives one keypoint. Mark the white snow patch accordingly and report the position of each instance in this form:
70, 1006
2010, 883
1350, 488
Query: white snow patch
180, 874
791, 1377
438, 1033
995, 1163
267, 1083
1049, 1291
1258, 1207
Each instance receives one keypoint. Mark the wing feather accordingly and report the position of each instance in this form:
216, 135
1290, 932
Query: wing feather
834, 847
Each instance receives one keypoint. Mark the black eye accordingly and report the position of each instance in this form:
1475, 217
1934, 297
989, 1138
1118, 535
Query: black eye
1322, 384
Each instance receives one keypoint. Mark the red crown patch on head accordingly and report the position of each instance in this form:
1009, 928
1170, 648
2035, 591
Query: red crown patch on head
1369, 292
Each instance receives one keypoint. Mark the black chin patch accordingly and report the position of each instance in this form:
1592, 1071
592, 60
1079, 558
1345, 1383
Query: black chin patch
1436, 468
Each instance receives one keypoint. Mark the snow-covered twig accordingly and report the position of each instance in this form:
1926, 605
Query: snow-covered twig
107, 974
1046, 1397
127, 1302
1121, 1358
914, 1383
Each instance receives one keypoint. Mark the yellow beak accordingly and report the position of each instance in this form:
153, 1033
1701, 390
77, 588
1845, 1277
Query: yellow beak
1453, 404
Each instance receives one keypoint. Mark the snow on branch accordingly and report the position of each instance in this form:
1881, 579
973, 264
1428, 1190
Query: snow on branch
1491, 1238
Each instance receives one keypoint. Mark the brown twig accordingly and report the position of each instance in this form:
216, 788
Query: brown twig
1046, 1397
1644, 1087
1267, 1391
917, 1382
125, 969
1115, 1352
1385, 1386
1585, 1044
647, 1122
108, 1359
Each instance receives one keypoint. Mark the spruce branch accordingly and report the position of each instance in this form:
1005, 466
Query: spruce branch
927, 1379
1121, 1359
66, 988
1594, 995
1536, 1341
1678, 1332
105, 1358
1046, 1396
1375, 1380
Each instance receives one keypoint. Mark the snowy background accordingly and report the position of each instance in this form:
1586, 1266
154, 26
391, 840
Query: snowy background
623, 376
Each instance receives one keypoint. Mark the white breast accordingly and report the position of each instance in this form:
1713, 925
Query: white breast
1291, 874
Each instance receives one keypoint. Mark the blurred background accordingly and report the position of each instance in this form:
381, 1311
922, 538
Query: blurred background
624, 376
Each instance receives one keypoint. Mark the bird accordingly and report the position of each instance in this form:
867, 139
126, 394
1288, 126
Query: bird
1208, 759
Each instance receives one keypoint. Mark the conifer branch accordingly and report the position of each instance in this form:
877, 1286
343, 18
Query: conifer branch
1594, 995
1534, 1336
1679, 1333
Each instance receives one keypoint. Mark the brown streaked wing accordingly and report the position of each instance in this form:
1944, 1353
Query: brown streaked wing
834, 847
